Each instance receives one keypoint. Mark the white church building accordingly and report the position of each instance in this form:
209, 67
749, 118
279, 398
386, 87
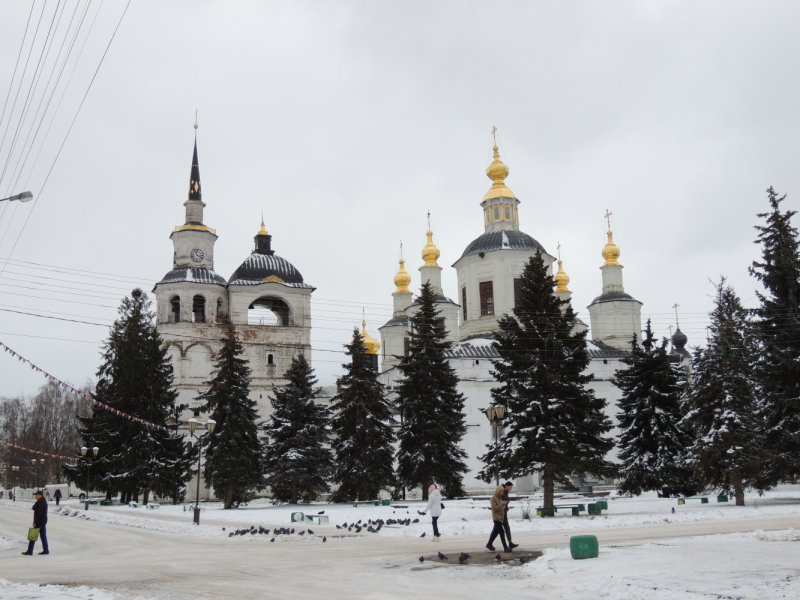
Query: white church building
488, 274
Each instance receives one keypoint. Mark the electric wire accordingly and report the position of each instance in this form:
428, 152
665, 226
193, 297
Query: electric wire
72, 124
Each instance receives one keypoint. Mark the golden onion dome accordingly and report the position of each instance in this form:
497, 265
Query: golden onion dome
263, 230
430, 252
561, 279
402, 279
371, 343
611, 252
497, 172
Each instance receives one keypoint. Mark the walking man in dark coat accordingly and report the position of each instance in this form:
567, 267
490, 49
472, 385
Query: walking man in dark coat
39, 521
57, 496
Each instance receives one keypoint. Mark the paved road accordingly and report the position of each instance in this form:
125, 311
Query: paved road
160, 565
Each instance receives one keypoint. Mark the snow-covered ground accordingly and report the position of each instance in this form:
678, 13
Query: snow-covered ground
646, 553
460, 517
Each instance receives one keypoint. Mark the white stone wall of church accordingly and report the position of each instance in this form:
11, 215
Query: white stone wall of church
501, 268
392, 345
614, 323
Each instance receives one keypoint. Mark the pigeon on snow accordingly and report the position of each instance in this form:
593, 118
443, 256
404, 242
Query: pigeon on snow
423, 534
322, 512
442, 556
310, 532
421, 559
324, 539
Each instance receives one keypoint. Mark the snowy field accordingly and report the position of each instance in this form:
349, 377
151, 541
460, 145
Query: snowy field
646, 552
460, 517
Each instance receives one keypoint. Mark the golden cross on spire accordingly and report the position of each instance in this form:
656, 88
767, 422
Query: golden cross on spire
401, 249
494, 135
675, 306
429, 219
195, 118
608, 219
559, 250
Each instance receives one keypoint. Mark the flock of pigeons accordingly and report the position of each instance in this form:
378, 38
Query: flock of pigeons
277, 531
376, 525
464, 557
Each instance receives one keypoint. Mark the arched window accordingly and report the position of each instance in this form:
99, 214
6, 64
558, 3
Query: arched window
198, 309
508, 212
220, 311
174, 309
488, 215
269, 311
496, 213
270, 359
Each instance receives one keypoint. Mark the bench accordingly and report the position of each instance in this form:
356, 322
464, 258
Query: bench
367, 502
153, 505
318, 519
598, 507
576, 509
703, 499
106, 503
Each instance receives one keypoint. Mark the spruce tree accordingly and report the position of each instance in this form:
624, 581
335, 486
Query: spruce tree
136, 378
234, 455
431, 407
361, 426
777, 327
554, 423
652, 443
298, 457
720, 402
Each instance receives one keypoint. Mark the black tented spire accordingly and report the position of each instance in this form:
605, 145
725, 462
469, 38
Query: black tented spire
194, 184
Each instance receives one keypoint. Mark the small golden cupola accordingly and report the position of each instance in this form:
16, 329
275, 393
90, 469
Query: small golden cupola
611, 252
371, 343
402, 279
430, 252
561, 279
497, 172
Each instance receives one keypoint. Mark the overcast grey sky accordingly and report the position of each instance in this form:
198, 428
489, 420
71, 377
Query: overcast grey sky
345, 122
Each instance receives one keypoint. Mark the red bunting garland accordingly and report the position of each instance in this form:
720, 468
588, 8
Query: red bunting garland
86, 397
10, 445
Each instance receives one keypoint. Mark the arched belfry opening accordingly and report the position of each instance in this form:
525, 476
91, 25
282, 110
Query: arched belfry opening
174, 309
198, 309
269, 311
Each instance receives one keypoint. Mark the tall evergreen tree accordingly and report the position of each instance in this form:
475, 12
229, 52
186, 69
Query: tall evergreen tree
234, 455
554, 423
721, 406
652, 442
777, 327
298, 456
136, 378
431, 407
361, 426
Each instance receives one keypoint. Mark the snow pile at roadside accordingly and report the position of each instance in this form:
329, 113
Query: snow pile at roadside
28, 591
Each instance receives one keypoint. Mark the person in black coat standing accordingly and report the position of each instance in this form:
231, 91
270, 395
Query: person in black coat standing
39, 521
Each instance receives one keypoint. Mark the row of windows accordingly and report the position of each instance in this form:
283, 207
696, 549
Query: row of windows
504, 212
486, 293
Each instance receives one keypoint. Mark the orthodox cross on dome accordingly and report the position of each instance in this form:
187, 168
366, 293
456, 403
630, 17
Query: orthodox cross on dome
429, 219
608, 219
675, 306
494, 135
558, 248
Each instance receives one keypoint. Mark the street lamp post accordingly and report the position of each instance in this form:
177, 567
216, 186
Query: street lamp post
15, 469
84, 450
495, 415
193, 423
37, 465
23, 197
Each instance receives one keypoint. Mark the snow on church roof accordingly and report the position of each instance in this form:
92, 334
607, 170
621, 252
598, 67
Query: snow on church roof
193, 275
484, 348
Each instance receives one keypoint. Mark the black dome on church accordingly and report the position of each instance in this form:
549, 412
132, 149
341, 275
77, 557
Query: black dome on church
506, 239
258, 267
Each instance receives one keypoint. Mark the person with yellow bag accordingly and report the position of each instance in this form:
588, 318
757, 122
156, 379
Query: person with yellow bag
39, 522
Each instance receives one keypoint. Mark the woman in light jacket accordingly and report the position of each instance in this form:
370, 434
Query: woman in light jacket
435, 506
498, 515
